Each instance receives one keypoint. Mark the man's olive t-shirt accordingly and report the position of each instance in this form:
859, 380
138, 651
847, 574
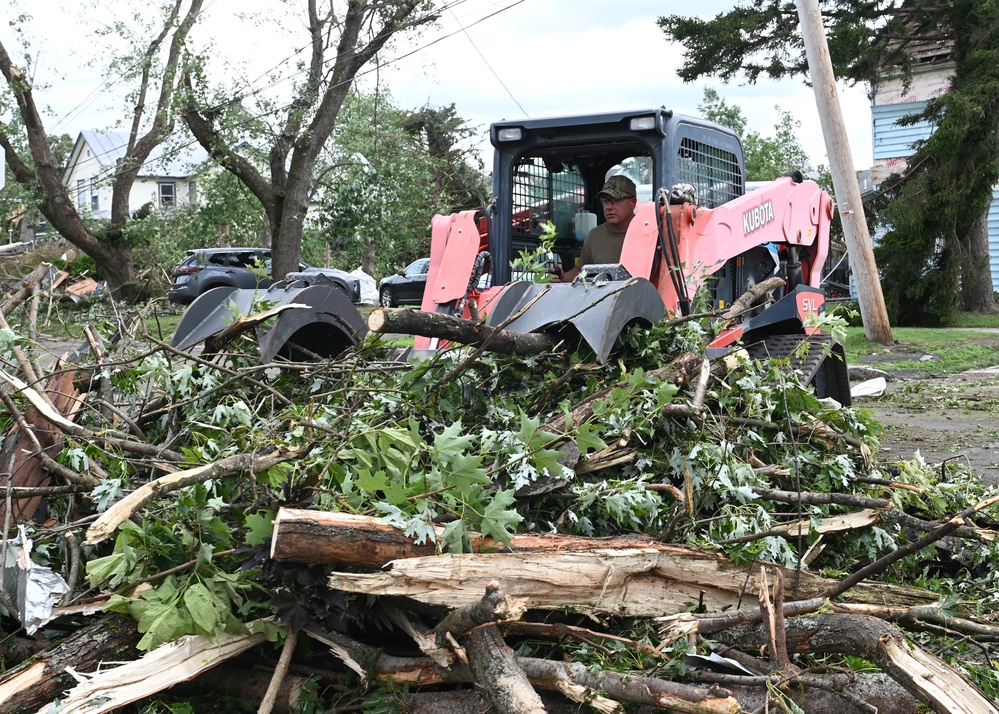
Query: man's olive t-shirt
602, 245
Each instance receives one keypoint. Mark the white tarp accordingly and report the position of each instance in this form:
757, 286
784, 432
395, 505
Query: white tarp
33, 589
369, 288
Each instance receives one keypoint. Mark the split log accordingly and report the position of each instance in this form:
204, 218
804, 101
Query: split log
633, 582
457, 329
18, 451
923, 675
36, 682
168, 664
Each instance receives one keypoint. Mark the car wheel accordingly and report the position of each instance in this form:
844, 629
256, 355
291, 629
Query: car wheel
385, 299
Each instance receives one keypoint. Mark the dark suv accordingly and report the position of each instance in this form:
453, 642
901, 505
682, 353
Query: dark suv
202, 270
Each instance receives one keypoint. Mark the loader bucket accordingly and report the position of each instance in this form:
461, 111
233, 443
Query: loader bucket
598, 311
314, 319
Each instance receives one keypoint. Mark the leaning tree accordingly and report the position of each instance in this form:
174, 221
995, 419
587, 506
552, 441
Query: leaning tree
937, 246
153, 65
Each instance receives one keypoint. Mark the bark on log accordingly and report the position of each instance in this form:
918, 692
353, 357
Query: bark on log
334, 538
926, 677
39, 680
457, 329
495, 668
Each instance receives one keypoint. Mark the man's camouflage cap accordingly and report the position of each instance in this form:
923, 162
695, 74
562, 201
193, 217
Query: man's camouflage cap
617, 187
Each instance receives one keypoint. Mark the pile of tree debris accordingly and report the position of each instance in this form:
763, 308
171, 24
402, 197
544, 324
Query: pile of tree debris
527, 532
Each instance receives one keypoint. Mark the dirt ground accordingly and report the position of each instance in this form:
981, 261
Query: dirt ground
943, 419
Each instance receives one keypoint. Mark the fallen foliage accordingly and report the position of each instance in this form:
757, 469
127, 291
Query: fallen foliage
663, 531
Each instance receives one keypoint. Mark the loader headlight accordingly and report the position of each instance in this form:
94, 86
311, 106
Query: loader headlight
512, 133
642, 123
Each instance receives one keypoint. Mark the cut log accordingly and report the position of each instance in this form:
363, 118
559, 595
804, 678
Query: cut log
456, 329
335, 538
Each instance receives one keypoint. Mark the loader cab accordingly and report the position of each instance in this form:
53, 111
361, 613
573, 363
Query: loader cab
552, 169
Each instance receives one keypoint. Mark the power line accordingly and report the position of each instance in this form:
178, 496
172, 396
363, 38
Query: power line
498, 79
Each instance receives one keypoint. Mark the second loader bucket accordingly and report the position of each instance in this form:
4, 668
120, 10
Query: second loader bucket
597, 311
312, 319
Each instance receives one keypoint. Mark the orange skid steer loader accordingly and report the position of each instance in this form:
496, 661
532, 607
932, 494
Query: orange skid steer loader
695, 227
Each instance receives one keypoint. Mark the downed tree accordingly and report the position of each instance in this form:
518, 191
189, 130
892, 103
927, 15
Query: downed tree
650, 492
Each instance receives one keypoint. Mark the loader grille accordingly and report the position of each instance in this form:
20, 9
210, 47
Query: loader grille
541, 195
715, 172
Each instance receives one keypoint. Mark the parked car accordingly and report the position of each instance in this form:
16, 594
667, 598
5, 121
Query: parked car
204, 269
405, 287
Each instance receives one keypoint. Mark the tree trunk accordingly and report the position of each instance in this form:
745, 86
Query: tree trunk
977, 293
363, 31
35, 683
112, 254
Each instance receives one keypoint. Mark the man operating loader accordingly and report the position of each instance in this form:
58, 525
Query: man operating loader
603, 244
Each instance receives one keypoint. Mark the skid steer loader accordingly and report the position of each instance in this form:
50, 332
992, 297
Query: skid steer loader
695, 226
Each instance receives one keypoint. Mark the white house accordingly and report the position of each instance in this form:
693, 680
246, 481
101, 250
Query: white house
893, 143
167, 179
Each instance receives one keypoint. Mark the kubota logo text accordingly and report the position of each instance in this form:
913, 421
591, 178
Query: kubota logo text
757, 218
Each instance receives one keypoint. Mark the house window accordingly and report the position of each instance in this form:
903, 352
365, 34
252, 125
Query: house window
81, 192
95, 201
192, 192
167, 195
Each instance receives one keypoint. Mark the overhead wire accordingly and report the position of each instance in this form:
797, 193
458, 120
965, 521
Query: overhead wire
498, 78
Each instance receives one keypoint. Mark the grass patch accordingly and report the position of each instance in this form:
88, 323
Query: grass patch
952, 351
975, 319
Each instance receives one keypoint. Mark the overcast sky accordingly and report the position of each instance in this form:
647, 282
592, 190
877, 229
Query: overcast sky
494, 59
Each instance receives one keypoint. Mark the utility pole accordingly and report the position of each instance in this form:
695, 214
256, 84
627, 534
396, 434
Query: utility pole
848, 201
